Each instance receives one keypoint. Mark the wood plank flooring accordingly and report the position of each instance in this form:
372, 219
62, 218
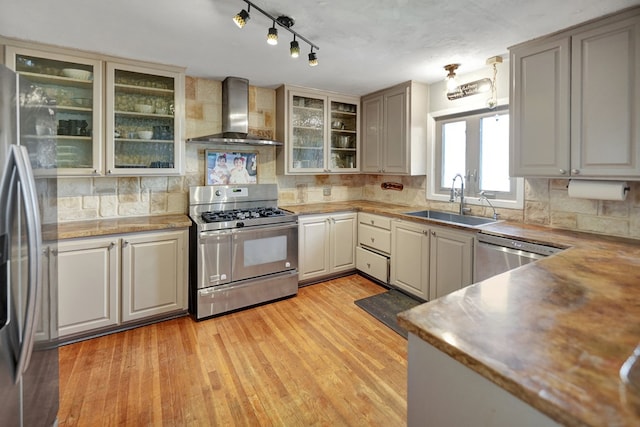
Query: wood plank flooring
315, 359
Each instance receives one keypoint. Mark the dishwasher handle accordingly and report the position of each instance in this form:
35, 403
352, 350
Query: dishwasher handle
518, 245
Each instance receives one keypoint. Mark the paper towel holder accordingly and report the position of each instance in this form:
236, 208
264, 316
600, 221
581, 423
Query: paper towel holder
625, 189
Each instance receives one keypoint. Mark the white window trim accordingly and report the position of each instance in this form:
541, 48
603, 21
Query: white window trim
518, 203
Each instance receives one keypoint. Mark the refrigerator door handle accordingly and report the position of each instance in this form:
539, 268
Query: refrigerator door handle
34, 238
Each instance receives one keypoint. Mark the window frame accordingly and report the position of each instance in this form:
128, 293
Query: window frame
441, 191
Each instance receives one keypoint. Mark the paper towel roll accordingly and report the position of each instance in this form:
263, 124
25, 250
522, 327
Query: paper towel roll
598, 190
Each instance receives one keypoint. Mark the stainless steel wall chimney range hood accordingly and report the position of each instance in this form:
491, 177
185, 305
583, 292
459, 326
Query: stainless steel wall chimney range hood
235, 116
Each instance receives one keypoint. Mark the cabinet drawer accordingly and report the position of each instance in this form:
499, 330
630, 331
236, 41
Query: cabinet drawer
375, 220
373, 264
376, 238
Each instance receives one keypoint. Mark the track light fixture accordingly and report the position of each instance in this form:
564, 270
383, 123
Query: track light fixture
272, 36
242, 17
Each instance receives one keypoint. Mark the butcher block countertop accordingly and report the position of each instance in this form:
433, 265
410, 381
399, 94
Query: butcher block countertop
102, 227
553, 333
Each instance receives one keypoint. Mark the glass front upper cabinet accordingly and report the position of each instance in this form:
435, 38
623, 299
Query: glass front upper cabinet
143, 128
323, 133
308, 130
60, 119
344, 135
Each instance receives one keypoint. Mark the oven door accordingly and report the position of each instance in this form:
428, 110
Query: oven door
214, 258
262, 250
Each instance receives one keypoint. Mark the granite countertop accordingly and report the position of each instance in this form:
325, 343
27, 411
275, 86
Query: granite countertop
102, 227
554, 333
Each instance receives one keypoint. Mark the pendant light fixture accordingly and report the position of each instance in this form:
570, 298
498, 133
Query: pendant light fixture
285, 22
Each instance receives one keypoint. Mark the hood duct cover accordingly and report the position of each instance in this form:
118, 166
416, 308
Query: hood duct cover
235, 116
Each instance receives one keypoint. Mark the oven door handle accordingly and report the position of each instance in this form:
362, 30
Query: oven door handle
265, 227
215, 235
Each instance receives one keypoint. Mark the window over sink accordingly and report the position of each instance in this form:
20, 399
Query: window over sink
475, 145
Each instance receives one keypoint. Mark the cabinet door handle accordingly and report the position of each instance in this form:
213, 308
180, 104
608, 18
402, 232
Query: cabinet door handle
563, 172
433, 233
575, 172
125, 243
368, 265
112, 245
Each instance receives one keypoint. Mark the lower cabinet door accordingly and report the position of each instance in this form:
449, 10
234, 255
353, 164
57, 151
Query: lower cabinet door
87, 284
410, 257
154, 275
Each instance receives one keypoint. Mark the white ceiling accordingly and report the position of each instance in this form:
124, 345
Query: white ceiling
365, 45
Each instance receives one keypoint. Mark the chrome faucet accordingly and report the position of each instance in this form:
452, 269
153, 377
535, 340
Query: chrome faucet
452, 197
482, 197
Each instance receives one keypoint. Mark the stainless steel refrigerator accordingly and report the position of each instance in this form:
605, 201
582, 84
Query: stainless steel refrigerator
28, 353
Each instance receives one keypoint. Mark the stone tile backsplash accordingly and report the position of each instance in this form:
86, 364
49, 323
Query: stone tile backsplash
546, 200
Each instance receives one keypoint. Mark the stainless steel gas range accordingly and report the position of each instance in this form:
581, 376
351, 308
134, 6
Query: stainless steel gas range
244, 249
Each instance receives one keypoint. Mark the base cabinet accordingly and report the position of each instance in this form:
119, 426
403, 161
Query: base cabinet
430, 261
108, 281
88, 284
448, 393
153, 274
451, 261
410, 257
326, 244
374, 246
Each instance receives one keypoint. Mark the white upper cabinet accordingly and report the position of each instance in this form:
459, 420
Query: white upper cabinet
70, 142
143, 127
605, 100
394, 123
320, 131
109, 116
575, 101
539, 104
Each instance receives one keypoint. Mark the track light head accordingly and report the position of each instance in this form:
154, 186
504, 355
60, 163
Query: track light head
295, 48
313, 58
272, 35
242, 17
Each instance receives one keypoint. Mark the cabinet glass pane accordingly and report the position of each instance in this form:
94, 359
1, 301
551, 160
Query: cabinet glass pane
143, 120
59, 136
307, 119
343, 135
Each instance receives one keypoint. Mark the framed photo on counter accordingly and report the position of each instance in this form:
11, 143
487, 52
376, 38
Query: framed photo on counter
223, 168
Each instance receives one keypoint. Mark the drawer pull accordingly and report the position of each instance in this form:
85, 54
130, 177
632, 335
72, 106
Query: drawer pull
373, 240
373, 222
368, 265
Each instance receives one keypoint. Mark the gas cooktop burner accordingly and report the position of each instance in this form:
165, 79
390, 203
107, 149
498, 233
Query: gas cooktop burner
241, 214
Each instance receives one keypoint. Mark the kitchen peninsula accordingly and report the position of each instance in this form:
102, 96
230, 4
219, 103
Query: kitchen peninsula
551, 335
554, 334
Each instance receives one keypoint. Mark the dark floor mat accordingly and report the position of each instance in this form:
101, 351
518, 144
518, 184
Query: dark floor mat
386, 306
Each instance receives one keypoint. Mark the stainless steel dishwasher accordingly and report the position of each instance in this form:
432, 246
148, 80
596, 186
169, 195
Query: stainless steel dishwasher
495, 255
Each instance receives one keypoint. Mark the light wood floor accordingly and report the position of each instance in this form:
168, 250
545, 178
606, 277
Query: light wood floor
315, 359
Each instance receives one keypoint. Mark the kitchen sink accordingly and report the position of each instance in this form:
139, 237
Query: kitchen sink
452, 217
